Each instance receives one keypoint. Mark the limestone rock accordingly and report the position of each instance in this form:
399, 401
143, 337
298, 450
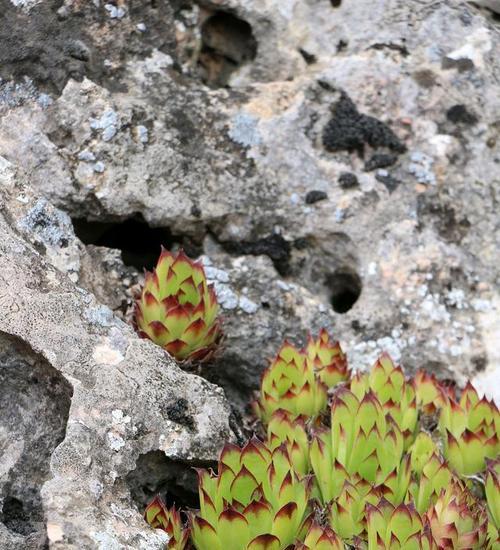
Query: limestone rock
84, 401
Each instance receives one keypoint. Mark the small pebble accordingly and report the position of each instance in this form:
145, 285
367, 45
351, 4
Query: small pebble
86, 156
247, 305
99, 167
143, 134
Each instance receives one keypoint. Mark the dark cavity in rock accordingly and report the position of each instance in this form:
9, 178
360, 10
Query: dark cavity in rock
139, 243
274, 246
345, 287
175, 481
227, 44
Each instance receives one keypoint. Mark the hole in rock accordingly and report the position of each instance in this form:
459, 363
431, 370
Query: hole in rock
139, 243
273, 246
34, 408
336, 3
345, 287
175, 481
227, 44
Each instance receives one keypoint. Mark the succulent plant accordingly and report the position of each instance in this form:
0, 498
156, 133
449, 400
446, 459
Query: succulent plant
159, 517
457, 520
434, 477
492, 490
284, 428
396, 396
347, 511
394, 528
421, 451
178, 308
255, 501
431, 395
362, 440
320, 538
381, 485
471, 431
289, 383
328, 359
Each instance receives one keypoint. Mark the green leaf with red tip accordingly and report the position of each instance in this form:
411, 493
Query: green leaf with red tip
243, 486
259, 515
264, 542
286, 522
156, 514
233, 530
204, 536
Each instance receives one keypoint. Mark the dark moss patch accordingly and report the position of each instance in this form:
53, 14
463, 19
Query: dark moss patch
459, 114
389, 181
54, 43
380, 160
449, 224
347, 180
315, 196
351, 130
178, 412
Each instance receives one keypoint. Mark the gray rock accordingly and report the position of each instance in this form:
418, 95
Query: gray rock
404, 261
84, 400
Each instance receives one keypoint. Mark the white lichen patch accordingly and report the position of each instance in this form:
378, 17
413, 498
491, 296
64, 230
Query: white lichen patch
104, 354
55, 532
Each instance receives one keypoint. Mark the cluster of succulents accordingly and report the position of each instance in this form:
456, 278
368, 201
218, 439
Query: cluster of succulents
371, 460
471, 431
298, 380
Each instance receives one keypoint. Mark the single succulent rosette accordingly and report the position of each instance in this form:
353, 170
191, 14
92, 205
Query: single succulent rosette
431, 394
397, 528
320, 538
394, 393
285, 428
159, 517
178, 309
289, 383
471, 432
457, 519
362, 440
328, 359
427, 486
347, 511
255, 501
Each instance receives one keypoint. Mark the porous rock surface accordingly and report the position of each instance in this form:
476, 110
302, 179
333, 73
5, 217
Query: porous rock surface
83, 400
336, 164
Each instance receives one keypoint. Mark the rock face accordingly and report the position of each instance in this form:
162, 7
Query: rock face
335, 163
85, 403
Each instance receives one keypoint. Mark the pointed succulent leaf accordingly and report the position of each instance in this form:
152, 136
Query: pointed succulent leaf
264, 542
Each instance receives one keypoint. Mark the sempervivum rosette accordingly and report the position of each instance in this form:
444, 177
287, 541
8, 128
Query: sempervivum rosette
178, 308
